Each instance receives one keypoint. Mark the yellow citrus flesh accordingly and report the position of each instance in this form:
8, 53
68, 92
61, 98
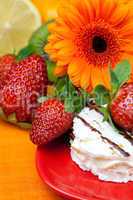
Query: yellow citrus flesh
18, 20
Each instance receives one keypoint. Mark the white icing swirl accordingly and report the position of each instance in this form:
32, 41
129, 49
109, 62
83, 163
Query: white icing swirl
95, 148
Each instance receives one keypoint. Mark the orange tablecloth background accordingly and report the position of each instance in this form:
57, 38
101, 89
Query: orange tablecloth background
18, 176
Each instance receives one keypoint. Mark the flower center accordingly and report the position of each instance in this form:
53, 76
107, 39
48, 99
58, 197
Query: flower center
99, 44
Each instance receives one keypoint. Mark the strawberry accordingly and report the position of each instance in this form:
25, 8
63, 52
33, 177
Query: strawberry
27, 81
6, 63
122, 107
51, 121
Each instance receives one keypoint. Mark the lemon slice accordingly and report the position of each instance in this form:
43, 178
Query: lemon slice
18, 20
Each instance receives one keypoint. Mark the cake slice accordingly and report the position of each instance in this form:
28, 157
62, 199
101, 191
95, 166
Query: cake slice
99, 148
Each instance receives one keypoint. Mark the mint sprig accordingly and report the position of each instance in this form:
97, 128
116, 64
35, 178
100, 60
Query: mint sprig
119, 76
123, 71
50, 70
103, 97
114, 83
74, 99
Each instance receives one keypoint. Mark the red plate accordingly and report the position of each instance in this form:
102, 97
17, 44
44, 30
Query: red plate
57, 170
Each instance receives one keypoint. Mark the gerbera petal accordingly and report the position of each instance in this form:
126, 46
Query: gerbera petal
128, 49
73, 11
97, 6
86, 76
62, 44
60, 71
67, 52
52, 27
88, 10
75, 69
96, 77
69, 18
119, 16
127, 30
107, 8
63, 61
64, 32
48, 48
98, 13
105, 74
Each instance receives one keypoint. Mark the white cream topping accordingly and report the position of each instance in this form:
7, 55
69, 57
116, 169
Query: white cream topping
102, 149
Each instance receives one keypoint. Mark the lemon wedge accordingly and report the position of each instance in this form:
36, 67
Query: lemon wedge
18, 20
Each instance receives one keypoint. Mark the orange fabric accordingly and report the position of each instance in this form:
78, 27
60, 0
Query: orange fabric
18, 176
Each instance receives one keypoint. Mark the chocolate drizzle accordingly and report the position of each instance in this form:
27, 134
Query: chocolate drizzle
127, 136
122, 151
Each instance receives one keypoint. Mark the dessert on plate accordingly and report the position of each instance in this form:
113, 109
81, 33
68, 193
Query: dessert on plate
99, 148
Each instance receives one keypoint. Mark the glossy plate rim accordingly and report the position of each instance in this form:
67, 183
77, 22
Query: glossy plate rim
44, 174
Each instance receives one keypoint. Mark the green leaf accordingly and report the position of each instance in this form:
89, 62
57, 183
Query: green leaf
25, 52
12, 118
71, 89
24, 125
40, 38
42, 99
2, 114
74, 99
105, 112
62, 87
84, 93
79, 103
119, 76
114, 83
61, 82
123, 71
69, 106
102, 95
50, 69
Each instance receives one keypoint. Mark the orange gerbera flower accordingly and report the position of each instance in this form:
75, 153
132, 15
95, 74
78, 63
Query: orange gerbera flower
126, 1
86, 36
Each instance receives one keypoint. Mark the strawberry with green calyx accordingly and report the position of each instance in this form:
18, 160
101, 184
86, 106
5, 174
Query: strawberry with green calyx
6, 63
50, 122
121, 107
117, 104
27, 81
55, 115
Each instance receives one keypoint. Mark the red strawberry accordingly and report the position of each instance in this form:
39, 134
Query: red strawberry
27, 81
51, 121
6, 63
122, 107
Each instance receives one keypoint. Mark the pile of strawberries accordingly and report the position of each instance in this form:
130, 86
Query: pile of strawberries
23, 82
